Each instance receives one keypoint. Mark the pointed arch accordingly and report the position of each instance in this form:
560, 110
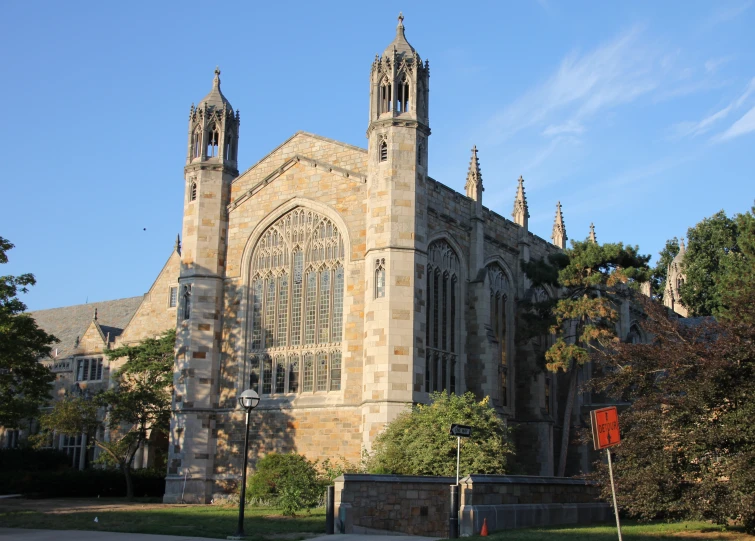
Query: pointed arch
403, 92
296, 261
385, 98
196, 143
442, 311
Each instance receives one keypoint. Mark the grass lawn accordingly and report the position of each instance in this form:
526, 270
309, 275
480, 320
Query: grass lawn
631, 531
194, 520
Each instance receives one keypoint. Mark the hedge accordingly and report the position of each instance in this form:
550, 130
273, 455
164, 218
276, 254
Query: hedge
81, 484
22, 459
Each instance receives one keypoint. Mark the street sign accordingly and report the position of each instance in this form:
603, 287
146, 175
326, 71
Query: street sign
605, 427
461, 431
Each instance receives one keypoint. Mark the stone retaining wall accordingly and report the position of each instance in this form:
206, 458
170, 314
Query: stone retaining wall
420, 505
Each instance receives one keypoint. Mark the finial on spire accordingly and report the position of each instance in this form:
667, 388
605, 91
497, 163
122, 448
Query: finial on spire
592, 237
682, 248
474, 186
177, 246
94, 317
216, 80
521, 211
559, 229
400, 18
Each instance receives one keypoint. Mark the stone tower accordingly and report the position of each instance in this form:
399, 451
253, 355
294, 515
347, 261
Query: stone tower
396, 237
210, 168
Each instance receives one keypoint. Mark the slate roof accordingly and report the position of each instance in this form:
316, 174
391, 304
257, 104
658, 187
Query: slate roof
70, 322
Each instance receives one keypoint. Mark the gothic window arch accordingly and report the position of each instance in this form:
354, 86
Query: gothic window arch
635, 334
379, 278
442, 310
196, 143
499, 301
402, 93
213, 140
382, 149
386, 101
297, 292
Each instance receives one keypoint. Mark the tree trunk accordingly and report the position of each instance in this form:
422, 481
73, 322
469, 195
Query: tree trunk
568, 407
126, 468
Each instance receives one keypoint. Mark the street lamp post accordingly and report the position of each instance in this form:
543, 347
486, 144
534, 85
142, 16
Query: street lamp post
247, 400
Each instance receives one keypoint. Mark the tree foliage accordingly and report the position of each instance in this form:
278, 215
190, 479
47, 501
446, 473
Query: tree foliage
139, 403
24, 381
710, 243
593, 280
417, 442
688, 440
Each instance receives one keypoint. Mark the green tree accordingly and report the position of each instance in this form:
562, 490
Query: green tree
417, 442
593, 280
667, 255
73, 415
710, 243
139, 404
736, 280
24, 381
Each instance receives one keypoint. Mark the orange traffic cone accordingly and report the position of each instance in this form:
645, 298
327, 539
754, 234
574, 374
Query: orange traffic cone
484, 531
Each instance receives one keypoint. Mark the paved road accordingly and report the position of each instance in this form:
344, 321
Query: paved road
19, 534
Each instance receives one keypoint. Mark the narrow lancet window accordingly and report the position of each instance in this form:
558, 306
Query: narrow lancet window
385, 96
213, 139
196, 144
379, 278
187, 301
193, 192
402, 105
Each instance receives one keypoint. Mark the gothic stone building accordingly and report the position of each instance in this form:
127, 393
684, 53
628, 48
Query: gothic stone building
344, 285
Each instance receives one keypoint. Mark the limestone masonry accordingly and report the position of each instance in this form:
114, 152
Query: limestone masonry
344, 285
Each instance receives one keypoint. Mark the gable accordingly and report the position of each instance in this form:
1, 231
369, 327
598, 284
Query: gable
155, 315
316, 150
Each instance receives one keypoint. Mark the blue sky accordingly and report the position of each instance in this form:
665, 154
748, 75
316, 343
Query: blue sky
637, 116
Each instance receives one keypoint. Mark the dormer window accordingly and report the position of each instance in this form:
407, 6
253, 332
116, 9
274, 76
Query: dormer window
212, 143
385, 96
403, 94
196, 144
383, 153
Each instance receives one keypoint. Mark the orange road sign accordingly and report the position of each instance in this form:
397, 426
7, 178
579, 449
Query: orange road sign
605, 427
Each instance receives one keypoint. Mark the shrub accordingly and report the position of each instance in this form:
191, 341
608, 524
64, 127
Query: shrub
29, 460
288, 480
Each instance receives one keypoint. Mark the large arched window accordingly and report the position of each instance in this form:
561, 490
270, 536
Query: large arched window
213, 141
499, 298
443, 307
296, 300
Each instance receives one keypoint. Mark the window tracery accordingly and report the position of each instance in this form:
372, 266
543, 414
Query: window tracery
499, 293
296, 301
441, 355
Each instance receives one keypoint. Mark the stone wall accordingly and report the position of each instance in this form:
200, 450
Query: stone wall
520, 501
420, 505
395, 503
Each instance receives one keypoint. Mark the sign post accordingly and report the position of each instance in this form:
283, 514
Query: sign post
605, 434
460, 431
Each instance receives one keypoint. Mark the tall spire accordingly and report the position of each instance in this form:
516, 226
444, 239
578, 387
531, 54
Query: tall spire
592, 237
474, 178
682, 248
559, 229
521, 210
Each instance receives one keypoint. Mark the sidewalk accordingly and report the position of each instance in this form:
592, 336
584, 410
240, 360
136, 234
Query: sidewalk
22, 534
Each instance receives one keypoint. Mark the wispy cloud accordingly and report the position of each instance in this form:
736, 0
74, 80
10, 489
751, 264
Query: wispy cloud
728, 13
584, 85
693, 129
713, 64
744, 125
